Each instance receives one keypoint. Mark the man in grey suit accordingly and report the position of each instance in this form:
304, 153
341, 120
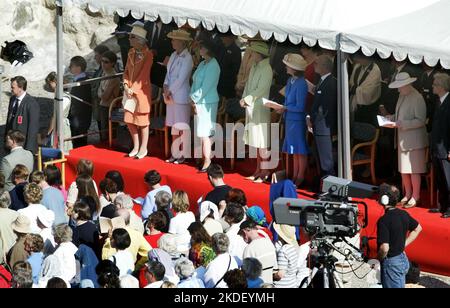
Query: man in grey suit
323, 115
18, 155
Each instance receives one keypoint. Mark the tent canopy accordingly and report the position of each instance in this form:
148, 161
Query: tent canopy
401, 27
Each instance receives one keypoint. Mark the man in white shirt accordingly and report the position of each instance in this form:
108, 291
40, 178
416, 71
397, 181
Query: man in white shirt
155, 274
260, 248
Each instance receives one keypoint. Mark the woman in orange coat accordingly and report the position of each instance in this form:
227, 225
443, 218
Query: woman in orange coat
138, 87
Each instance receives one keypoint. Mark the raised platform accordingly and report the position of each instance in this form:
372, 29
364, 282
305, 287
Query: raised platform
431, 250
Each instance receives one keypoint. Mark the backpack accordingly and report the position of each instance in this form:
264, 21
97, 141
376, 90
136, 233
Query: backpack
16, 51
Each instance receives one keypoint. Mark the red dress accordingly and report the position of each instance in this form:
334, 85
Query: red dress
153, 239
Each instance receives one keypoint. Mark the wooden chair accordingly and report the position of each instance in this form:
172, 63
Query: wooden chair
115, 115
158, 120
363, 152
221, 112
54, 156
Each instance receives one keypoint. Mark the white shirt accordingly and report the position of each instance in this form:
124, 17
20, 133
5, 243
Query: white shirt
154, 285
237, 243
324, 77
66, 256
49, 241
72, 194
216, 270
212, 226
32, 211
263, 250
444, 97
124, 261
20, 98
179, 225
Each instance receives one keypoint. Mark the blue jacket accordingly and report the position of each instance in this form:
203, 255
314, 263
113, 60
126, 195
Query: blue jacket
295, 102
204, 83
283, 189
88, 261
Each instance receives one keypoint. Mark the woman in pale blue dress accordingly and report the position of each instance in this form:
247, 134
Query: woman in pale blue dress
205, 99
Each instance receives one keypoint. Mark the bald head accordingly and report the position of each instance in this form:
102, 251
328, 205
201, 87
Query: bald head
125, 214
323, 65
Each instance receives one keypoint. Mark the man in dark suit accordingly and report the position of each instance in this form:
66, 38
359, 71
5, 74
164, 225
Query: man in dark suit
323, 117
440, 142
23, 113
161, 46
80, 114
229, 65
426, 89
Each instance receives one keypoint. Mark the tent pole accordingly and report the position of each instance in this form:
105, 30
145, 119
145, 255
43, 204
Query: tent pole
345, 168
60, 71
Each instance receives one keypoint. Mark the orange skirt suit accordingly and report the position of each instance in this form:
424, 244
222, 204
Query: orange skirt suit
137, 77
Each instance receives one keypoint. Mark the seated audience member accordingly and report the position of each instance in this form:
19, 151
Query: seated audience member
223, 262
7, 217
209, 216
155, 274
34, 246
287, 257
235, 279
18, 156
201, 252
123, 201
153, 180
65, 251
117, 178
108, 275
182, 220
84, 167
168, 243
85, 231
33, 197
259, 248
129, 282
86, 189
52, 199
54, 179
253, 270
257, 215
21, 227
22, 276
155, 224
50, 268
111, 191
165, 259
56, 283
234, 215
19, 176
120, 240
216, 178
163, 202
45, 221
185, 270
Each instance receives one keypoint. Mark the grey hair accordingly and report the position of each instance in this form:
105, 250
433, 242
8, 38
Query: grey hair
168, 243
62, 233
124, 201
220, 243
252, 268
163, 199
5, 199
184, 268
326, 62
442, 80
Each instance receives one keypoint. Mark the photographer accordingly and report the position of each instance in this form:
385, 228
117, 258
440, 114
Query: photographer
393, 228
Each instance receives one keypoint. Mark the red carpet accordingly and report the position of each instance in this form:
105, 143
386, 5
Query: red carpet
431, 250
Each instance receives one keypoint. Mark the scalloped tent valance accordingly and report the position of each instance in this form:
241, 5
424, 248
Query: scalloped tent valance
418, 29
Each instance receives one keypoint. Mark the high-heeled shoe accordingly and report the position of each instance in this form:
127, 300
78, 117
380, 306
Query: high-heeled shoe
251, 178
404, 201
261, 179
132, 154
141, 155
411, 203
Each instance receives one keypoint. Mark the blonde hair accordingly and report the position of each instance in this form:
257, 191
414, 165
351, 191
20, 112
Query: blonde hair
33, 193
180, 201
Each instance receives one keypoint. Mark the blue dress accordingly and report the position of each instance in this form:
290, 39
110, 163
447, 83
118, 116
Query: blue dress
295, 117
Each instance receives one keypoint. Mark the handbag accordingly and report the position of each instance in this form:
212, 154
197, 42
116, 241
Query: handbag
129, 104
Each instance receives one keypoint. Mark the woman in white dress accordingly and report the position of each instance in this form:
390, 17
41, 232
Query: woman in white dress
177, 87
50, 82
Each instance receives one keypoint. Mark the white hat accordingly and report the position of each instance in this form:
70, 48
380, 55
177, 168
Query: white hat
402, 80
205, 209
47, 218
22, 224
138, 30
295, 61
287, 233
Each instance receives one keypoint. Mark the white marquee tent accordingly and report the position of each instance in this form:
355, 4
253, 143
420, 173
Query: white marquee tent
418, 29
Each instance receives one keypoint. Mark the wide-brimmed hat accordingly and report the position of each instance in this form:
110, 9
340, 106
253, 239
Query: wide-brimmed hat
139, 30
257, 37
205, 209
295, 61
401, 80
46, 218
287, 233
22, 224
180, 34
260, 47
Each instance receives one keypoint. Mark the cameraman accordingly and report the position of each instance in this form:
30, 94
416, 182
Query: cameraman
392, 235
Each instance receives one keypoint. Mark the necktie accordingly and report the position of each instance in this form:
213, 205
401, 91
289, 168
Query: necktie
14, 109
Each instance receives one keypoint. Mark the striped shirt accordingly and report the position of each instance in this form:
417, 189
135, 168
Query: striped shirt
287, 258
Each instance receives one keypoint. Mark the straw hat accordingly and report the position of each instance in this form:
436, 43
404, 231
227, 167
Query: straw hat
287, 233
205, 209
180, 34
257, 37
259, 47
402, 80
22, 224
295, 61
139, 30
46, 218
